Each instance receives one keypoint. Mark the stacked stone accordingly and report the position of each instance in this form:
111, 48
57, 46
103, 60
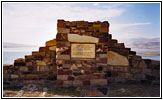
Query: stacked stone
81, 71
144, 70
113, 62
40, 65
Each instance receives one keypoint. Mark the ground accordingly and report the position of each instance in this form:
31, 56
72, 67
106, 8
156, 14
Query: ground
112, 90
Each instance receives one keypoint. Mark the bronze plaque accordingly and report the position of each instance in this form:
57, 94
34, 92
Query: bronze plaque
84, 51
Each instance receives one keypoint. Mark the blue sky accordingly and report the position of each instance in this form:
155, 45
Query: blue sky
35, 23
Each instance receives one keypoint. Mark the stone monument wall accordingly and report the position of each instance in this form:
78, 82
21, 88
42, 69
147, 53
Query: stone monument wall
83, 54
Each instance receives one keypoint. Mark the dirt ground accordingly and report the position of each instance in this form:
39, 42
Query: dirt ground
112, 90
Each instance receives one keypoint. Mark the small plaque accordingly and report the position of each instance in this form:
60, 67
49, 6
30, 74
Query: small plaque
84, 51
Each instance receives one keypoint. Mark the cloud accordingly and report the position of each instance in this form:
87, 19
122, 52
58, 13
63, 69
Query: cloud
95, 4
36, 22
119, 26
126, 31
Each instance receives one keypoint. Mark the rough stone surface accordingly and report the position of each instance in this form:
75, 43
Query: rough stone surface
116, 59
98, 82
62, 77
63, 57
79, 38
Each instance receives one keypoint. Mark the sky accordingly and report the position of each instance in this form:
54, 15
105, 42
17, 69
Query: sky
36, 23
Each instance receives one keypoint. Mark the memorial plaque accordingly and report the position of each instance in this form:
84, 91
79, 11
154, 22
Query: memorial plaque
84, 51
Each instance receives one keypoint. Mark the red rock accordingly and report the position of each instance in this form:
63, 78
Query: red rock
93, 76
61, 23
59, 82
93, 69
87, 72
23, 68
62, 77
98, 82
112, 41
43, 49
104, 60
32, 76
97, 55
64, 72
53, 68
81, 77
67, 83
77, 83
68, 62
70, 78
86, 82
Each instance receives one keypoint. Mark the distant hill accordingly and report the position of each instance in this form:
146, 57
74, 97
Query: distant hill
144, 43
15, 45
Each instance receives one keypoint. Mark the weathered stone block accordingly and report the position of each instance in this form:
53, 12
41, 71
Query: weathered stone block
43, 49
61, 37
102, 55
81, 77
67, 83
29, 63
137, 58
64, 72
14, 76
93, 76
86, 83
51, 43
116, 59
63, 30
19, 62
135, 70
62, 77
98, 82
32, 76
35, 53
142, 64
74, 67
119, 45
70, 78
29, 58
40, 63
63, 57
97, 25
87, 72
53, 68
77, 73
132, 52
104, 30
46, 68
4, 71
59, 82
108, 68
93, 69
52, 48
80, 38
59, 61
66, 66
23, 68
61, 23
104, 60
139, 76
77, 83
146, 71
